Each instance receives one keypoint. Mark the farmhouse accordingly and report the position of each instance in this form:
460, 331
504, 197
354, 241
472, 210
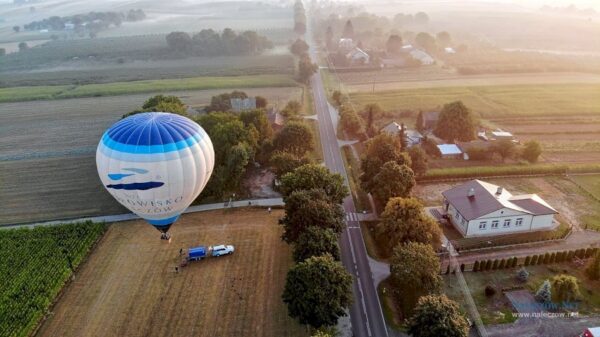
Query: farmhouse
357, 56
243, 104
413, 137
422, 57
345, 44
276, 119
478, 208
500, 134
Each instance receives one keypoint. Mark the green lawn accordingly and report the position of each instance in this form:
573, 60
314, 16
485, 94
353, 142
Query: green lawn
497, 309
591, 183
495, 101
122, 88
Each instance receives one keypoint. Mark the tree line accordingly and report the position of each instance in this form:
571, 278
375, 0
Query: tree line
210, 43
92, 21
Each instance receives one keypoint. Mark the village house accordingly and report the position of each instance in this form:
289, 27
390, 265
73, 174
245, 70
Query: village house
357, 56
243, 104
276, 119
450, 151
413, 137
478, 208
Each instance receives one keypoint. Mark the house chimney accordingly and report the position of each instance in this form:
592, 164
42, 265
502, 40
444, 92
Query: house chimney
471, 193
499, 191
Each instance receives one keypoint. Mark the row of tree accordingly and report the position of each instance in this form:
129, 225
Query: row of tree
318, 288
210, 43
92, 21
299, 18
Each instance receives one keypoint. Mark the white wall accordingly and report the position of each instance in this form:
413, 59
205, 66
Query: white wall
542, 222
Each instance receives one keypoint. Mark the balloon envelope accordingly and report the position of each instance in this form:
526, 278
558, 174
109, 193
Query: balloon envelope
155, 164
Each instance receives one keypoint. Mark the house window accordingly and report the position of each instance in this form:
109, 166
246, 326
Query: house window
495, 224
482, 225
506, 223
519, 222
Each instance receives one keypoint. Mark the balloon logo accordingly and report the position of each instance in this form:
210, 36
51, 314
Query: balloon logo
155, 164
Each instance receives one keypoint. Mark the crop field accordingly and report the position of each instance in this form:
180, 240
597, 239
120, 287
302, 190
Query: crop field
47, 152
122, 88
129, 287
34, 266
574, 205
94, 71
495, 101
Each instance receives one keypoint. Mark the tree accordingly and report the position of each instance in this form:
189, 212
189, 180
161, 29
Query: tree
476, 266
593, 269
296, 137
415, 272
443, 39
284, 162
316, 241
261, 102
418, 159
505, 148
306, 69
23, 46
372, 110
380, 150
314, 176
437, 316
456, 122
393, 180
348, 30
544, 293
394, 44
523, 275
426, 41
317, 291
16, 29
299, 47
419, 124
351, 122
337, 97
565, 288
257, 120
310, 208
531, 151
179, 42
421, 18
291, 109
329, 38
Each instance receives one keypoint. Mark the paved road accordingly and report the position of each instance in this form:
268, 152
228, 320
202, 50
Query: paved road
272, 202
365, 314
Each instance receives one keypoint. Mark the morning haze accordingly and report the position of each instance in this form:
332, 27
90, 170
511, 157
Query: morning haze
300, 168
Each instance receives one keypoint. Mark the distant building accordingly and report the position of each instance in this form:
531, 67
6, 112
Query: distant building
422, 57
276, 119
413, 137
243, 104
450, 151
345, 45
430, 119
357, 56
475, 144
478, 208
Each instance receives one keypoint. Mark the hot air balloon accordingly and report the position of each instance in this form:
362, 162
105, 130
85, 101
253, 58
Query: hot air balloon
155, 164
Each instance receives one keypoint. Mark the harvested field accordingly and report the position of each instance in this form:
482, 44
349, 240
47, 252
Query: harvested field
47, 152
129, 287
495, 101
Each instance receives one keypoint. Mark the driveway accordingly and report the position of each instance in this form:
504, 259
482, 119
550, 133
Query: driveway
543, 327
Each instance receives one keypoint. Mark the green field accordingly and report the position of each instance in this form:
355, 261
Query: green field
122, 88
495, 101
590, 183
34, 266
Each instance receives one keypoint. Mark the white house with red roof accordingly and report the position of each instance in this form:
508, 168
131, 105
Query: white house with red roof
478, 208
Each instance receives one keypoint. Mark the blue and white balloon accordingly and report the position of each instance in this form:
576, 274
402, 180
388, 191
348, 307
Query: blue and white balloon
155, 164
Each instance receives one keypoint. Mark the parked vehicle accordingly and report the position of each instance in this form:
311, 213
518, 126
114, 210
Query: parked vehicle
591, 332
196, 253
221, 250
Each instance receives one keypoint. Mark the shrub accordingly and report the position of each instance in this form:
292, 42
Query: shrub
523, 275
546, 258
502, 264
490, 290
527, 260
552, 258
488, 265
476, 266
462, 267
544, 293
534, 260
495, 264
